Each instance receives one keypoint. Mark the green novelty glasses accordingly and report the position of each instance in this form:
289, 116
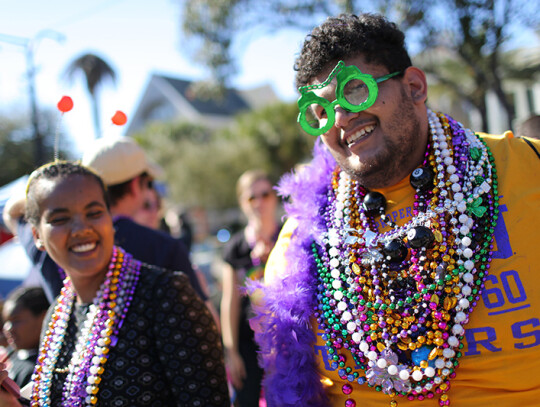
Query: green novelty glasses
355, 91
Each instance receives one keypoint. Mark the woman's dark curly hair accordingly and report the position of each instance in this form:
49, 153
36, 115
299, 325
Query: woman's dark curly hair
51, 171
372, 35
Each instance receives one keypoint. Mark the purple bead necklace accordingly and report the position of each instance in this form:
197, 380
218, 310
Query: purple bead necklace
398, 300
96, 337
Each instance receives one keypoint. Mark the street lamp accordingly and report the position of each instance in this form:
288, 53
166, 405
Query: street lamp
30, 46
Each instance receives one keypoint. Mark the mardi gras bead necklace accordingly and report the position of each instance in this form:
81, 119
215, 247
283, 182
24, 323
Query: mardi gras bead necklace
97, 335
398, 300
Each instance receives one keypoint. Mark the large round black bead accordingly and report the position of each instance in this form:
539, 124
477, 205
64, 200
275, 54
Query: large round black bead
422, 178
395, 250
374, 202
420, 236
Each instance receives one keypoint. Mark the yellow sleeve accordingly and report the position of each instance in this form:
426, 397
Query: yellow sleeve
276, 266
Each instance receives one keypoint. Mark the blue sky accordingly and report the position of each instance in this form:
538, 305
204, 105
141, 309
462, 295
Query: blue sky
137, 38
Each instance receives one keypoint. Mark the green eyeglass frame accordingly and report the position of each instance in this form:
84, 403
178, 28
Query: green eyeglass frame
344, 74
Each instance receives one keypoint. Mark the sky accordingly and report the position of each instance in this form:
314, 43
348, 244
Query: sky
137, 38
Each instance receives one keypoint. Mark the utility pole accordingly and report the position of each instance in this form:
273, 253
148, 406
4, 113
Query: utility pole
30, 46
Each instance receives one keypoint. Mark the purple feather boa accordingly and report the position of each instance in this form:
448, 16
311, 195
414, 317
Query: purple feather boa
283, 323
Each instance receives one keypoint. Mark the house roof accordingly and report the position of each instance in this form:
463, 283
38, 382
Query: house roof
167, 98
230, 104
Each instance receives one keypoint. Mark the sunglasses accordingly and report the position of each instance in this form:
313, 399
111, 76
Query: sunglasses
151, 206
355, 91
262, 195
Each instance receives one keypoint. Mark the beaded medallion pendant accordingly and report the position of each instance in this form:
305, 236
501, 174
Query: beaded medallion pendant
95, 339
393, 305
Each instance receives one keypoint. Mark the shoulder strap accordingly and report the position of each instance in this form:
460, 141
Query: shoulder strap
531, 145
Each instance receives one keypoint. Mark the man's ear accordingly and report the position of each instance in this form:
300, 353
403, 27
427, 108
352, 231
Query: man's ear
135, 186
37, 240
415, 79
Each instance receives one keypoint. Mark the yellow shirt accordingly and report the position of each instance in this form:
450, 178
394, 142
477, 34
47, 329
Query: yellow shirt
500, 366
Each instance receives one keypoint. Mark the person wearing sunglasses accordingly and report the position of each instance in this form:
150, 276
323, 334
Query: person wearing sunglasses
405, 273
245, 256
150, 213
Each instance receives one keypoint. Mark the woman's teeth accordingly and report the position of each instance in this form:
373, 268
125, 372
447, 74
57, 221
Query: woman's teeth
84, 247
366, 130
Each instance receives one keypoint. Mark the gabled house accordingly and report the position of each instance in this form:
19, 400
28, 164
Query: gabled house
166, 98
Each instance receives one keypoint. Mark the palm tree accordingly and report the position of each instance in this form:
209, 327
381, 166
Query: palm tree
96, 71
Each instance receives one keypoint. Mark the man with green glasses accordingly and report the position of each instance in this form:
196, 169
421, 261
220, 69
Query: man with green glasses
404, 274
355, 91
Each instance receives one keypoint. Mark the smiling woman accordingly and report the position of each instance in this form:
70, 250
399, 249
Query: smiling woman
113, 307
71, 220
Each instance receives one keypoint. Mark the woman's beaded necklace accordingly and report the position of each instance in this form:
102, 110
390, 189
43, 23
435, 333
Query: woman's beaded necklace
97, 335
398, 300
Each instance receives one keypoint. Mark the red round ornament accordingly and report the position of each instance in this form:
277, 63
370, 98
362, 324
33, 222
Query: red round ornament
347, 389
119, 118
65, 104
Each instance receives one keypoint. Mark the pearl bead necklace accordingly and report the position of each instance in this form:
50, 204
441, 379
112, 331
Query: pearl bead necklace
398, 300
97, 335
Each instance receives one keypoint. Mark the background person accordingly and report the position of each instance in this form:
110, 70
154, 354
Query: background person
391, 281
129, 174
150, 214
121, 332
23, 313
245, 255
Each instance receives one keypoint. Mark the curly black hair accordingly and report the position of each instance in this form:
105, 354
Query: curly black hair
372, 35
50, 171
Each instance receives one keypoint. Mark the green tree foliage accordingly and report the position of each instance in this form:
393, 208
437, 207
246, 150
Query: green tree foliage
466, 48
202, 166
274, 131
471, 32
96, 71
17, 144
